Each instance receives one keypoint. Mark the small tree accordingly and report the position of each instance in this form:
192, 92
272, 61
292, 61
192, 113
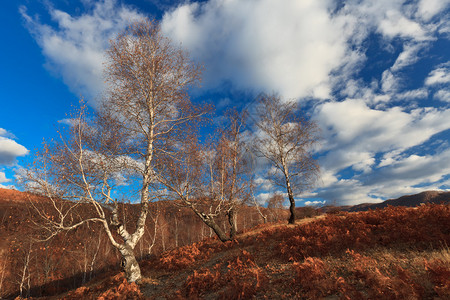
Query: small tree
210, 178
285, 140
275, 204
114, 153
231, 168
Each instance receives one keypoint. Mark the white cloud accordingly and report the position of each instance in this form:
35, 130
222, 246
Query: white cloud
327, 177
416, 169
296, 48
347, 192
420, 93
262, 198
3, 178
441, 75
395, 24
74, 49
409, 55
68, 121
9, 149
443, 95
391, 18
404, 174
314, 203
352, 124
263, 45
354, 133
430, 8
264, 183
389, 82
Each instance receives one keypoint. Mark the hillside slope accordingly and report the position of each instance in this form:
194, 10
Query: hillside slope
395, 253
32, 267
428, 197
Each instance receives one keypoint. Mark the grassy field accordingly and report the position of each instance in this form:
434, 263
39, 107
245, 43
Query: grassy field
394, 253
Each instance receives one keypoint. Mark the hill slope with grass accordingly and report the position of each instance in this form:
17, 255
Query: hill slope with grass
393, 253
428, 197
31, 266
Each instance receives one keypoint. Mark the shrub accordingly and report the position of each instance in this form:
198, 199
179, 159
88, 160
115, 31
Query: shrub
312, 278
124, 291
240, 278
439, 272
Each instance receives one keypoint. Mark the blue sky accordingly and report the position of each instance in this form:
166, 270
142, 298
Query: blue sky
374, 75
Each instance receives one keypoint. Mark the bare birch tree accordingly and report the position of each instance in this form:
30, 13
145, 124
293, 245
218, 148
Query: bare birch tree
210, 179
285, 140
113, 153
186, 178
233, 165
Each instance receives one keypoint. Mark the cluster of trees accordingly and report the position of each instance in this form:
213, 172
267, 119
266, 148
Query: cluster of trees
31, 268
143, 143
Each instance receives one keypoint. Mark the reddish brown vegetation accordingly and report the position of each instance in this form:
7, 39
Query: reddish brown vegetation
71, 259
439, 271
15, 197
428, 197
383, 254
394, 226
114, 288
240, 279
395, 253
186, 256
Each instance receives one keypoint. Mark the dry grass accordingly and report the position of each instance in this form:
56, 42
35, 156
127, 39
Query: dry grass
396, 253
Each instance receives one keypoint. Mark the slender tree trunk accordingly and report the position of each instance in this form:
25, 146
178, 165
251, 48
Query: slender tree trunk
292, 203
289, 191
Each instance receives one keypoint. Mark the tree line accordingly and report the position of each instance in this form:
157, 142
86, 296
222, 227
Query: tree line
142, 144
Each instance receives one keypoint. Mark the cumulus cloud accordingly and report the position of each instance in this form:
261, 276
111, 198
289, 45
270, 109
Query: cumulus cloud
264, 183
440, 75
415, 169
355, 134
420, 93
430, 8
9, 149
3, 178
352, 123
347, 192
314, 203
395, 24
299, 49
74, 48
391, 18
262, 45
443, 95
412, 173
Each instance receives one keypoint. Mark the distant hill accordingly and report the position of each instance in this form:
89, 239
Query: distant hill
427, 197
8, 196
